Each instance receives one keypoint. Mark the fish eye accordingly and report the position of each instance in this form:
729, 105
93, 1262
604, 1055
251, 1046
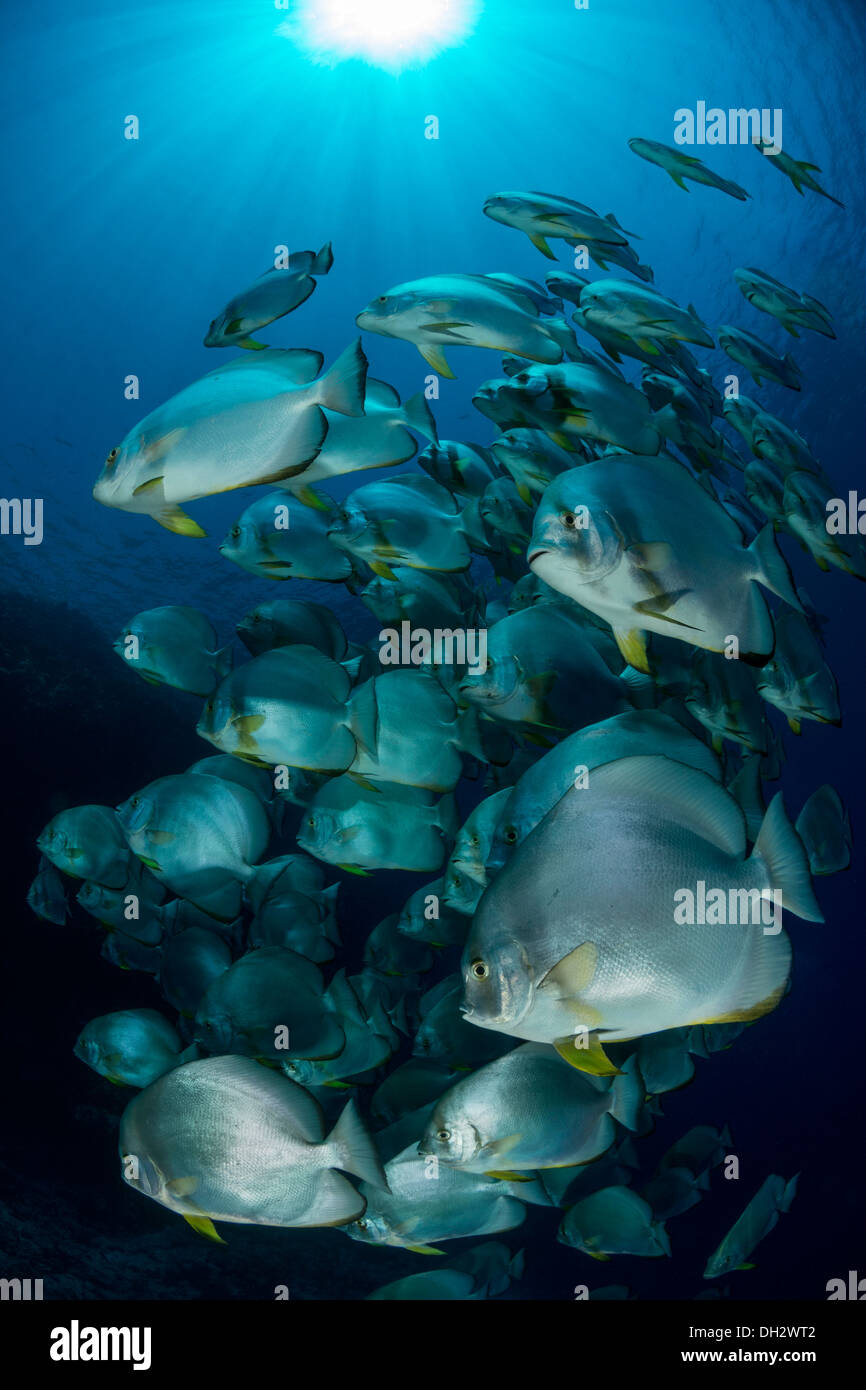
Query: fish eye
456, 880
480, 969
511, 834
311, 821
135, 801
569, 519
383, 299
112, 456
235, 533
362, 1225
444, 1135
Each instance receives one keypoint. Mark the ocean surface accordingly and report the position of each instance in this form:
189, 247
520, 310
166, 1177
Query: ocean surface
118, 253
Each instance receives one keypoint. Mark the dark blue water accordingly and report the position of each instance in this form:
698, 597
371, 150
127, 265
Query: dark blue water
119, 253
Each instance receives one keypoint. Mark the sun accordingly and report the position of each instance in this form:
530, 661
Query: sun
390, 34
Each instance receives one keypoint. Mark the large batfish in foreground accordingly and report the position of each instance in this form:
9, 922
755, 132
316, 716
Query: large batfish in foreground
258, 419
225, 1139
640, 543
582, 938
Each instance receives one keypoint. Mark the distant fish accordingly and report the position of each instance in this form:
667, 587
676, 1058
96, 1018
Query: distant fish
280, 290
131, 1048
493, 311
772, 1199
614, 1221
174, 646
792, 309
800, 173
684, 166
758, 358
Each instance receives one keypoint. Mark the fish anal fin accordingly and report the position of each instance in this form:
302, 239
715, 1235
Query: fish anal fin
203, 1226
591, 1058
632, 646
541, 245
435, 358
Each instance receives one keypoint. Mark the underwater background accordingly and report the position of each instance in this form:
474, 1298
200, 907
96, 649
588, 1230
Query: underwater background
118, 254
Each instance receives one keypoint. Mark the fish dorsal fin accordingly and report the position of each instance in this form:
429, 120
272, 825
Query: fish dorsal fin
679, 793
298, 366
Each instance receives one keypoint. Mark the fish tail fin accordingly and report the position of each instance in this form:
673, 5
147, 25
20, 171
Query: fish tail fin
343, 385
787, 863
419, 417
771, 567
323, 260
829, 846
447, 816
789, 1194
363, 717
627, 1094
735, 190
356, 1151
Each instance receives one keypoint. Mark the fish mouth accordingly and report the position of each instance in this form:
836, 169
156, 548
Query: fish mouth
535, 555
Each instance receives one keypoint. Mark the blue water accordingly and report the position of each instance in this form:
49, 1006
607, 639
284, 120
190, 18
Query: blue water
117, 256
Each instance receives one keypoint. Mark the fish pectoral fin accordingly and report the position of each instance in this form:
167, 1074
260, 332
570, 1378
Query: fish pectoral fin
597, 1255
435, 358
251, 344
500, 1147
158, 448
658, 604
584, 1052
362, 782
162, 837
182, 1187
424, 1250
632, 646
149, 863
506, 1176
353, 869
571, 976
203, 1226
651, 555
150, 486
541, 245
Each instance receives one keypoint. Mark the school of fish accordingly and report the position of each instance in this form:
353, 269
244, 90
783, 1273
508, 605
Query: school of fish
588, 795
